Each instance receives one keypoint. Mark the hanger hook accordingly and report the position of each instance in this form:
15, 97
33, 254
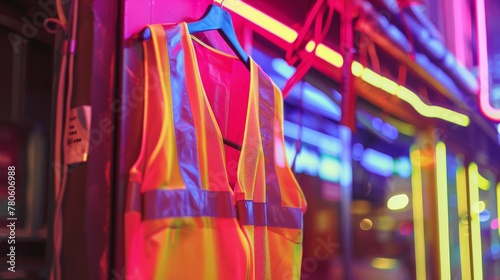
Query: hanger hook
222, 4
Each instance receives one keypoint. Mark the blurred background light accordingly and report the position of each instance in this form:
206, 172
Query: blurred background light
366, 224
325, 142
361, 207
390, 131
494, 223
320, 101
478, 207
281, 67
377, 162
484, 216
403, 167
398, 202
357, 151
330, 169
385, 223
384, 263
406, 229
495, 249
307, 162
377, 123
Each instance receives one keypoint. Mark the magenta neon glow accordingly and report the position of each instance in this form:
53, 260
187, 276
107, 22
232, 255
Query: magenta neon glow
484, 90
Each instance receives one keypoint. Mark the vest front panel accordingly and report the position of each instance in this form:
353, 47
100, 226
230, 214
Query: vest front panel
183, 220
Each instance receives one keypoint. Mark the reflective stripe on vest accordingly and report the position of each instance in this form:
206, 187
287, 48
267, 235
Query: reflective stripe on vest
159, 204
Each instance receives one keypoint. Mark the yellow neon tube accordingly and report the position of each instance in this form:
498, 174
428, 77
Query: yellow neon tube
498, 207
403, 127
442, 205
310, 46
357, 69
477, 255
329, 55
431, 111
483, 184
418, 213
261, 19
334, 58
463, 228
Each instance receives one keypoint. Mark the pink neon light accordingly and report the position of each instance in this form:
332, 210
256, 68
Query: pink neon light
494, 224
484, 87
459, 31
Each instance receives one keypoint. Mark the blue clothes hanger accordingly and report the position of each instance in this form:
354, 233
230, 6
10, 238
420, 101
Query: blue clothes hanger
218, 19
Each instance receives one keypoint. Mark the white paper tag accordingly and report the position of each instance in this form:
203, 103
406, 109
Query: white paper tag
78, 129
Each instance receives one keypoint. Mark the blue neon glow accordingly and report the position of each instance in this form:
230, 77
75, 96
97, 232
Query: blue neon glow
330, 169
387, 129
390, 131
452, 200
357, 151
377, 123
495, 249
337, 96
282, 67
403, 167
498, 128
484, 216
290, 152
307, 162
314, 96
345, 135
315, 100
328, 144
378, 163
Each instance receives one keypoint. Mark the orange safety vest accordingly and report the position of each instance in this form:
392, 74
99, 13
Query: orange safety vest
184, 219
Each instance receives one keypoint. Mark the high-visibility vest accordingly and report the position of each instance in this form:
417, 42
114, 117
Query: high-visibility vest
183, 219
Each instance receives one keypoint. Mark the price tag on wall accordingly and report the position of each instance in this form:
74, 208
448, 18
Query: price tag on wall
77, 135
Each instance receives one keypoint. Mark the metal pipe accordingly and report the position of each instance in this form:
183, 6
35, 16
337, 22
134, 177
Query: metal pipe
348, 120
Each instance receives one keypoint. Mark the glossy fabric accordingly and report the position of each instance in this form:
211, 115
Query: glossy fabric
183, 220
